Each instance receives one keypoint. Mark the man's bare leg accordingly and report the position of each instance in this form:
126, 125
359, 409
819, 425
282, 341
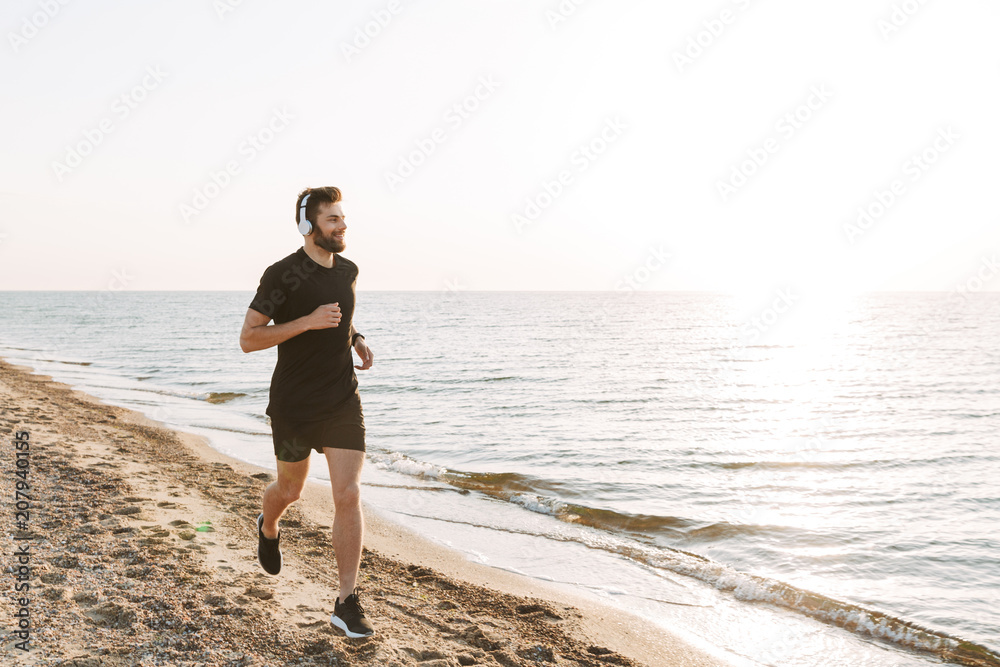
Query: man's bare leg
348, 521
283, 492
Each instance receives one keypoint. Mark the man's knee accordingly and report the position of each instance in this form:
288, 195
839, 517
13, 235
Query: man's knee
290, 495
287, 490
347, 494
292, 480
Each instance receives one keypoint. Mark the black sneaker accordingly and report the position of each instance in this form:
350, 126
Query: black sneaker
268, 552
349, 616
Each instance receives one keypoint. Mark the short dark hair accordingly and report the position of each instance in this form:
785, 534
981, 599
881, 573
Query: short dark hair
324, 195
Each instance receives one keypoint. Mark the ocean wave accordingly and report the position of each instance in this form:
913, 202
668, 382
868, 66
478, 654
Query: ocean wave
223, 396
401, 463
63, 361
781, 465
853, 617
521, 490
540, 504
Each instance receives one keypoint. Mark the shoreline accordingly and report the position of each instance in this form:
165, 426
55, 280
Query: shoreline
430, 605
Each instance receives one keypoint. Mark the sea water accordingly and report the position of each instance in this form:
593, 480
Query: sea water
814, 491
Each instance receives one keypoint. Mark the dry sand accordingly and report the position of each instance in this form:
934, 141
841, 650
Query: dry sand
144, 553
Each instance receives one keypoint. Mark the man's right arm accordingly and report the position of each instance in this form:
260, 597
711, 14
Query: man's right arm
258, 335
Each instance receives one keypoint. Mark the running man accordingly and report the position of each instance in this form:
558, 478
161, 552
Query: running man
314, 401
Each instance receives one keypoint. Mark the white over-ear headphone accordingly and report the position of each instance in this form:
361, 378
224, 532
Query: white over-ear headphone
305, 227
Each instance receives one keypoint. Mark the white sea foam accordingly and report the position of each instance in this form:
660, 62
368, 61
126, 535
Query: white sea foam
540, 504
396, 462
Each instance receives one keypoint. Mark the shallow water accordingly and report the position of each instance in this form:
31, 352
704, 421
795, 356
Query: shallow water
825, 494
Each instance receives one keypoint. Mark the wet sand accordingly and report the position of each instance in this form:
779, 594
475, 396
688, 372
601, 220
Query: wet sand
144, 552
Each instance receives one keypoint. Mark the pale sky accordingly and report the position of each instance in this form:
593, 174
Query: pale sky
667, 126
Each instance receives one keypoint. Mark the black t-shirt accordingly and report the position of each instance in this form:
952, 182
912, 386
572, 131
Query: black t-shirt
315, 370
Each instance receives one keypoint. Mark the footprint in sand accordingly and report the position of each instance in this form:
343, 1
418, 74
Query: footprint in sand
317, 647
87, 598
54, 593
85, 660
157, 531
67, 562
537, 610
112, 615
92, 528
426, 655
259, 593
474, 635
218, 600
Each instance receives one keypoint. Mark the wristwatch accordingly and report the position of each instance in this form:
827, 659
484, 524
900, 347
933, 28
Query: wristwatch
354, 338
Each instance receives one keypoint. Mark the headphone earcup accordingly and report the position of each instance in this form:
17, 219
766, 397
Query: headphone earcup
305, 227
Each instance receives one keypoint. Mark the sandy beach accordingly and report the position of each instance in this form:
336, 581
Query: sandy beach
143, 552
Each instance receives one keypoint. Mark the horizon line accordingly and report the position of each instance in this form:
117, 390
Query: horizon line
458, 291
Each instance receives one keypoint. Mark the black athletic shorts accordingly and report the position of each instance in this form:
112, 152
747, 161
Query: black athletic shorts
342, 428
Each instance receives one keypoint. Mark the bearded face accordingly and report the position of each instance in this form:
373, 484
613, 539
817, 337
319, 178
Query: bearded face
333, 242
329, 228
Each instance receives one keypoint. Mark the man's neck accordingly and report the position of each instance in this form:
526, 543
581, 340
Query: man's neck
320, 256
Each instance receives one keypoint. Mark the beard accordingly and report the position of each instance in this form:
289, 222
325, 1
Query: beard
330, 244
